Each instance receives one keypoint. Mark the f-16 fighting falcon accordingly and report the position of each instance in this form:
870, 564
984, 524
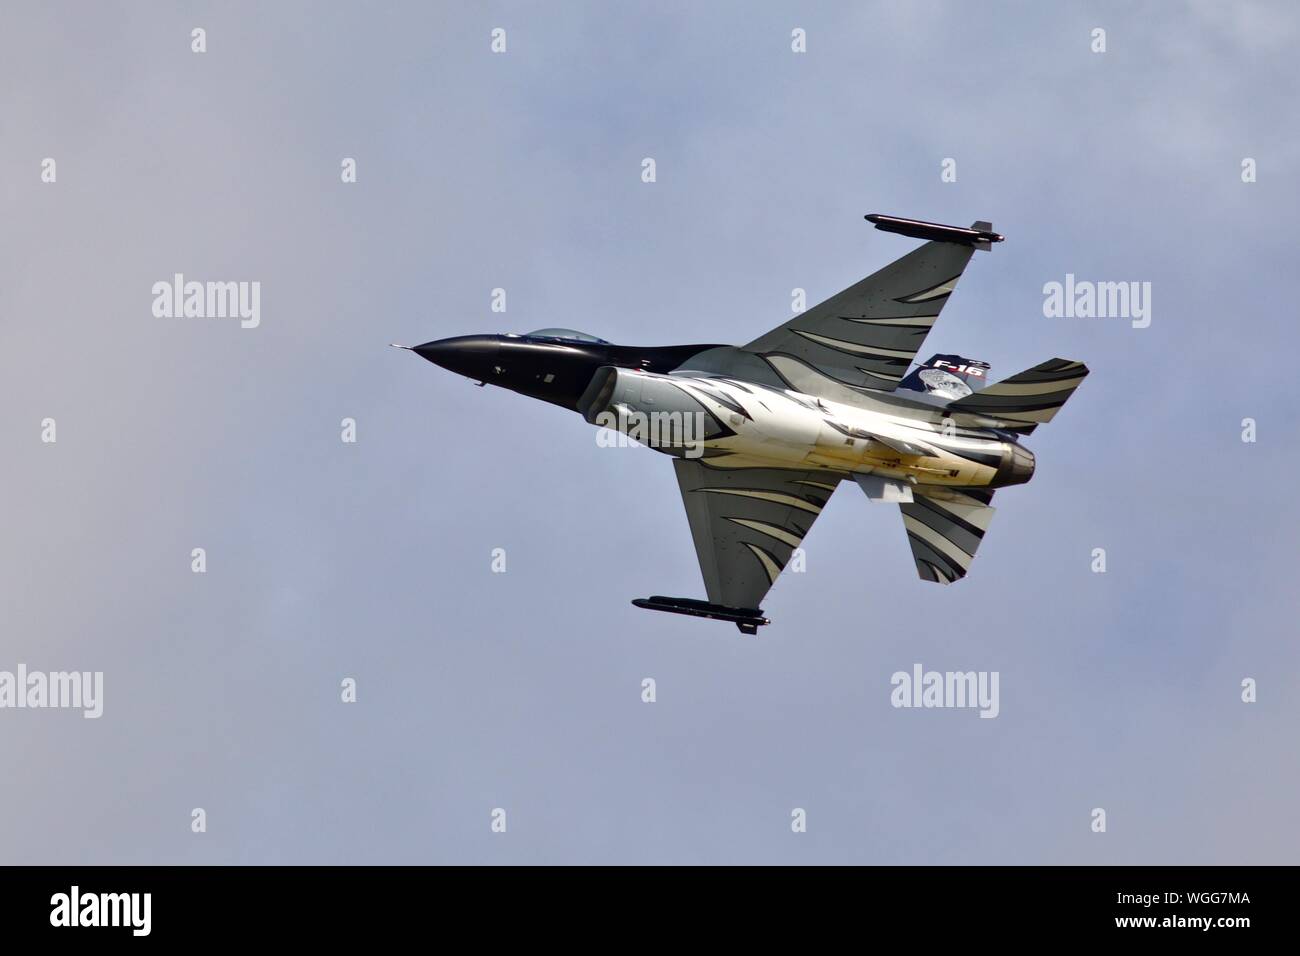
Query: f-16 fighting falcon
763, 433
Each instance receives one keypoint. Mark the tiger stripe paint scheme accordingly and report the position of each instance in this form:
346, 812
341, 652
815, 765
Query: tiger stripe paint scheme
867, 335
746, 523
945, 532
782, 421
1023, 402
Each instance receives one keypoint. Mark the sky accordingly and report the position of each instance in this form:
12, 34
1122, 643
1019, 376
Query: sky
522, 691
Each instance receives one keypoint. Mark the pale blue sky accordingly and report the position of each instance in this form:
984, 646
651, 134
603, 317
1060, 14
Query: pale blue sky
522, 690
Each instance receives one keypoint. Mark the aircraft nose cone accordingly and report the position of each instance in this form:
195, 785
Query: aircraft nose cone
469, 355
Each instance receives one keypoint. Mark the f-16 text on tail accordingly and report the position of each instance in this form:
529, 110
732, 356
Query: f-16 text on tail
763, 433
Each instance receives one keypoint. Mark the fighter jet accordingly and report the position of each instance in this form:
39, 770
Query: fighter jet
762, 434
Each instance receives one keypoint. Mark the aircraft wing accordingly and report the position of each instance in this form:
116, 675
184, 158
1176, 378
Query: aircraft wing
746, 522
869, 334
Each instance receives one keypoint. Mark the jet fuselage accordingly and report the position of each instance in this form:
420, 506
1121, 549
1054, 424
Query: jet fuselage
645, 393
762, 434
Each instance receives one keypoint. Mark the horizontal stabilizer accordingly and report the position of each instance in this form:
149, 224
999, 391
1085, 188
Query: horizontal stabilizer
1027, 400
945, 531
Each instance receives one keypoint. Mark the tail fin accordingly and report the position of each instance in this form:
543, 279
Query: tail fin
947, 376
1025, 401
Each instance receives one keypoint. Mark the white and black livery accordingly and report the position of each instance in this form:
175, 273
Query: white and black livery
762, 434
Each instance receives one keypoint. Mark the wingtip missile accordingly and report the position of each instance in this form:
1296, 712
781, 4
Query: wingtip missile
980, 234
748, 620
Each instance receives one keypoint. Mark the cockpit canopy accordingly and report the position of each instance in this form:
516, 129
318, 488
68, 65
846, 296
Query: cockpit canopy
561, 335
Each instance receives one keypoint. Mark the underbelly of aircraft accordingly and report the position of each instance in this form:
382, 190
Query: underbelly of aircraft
749, 426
